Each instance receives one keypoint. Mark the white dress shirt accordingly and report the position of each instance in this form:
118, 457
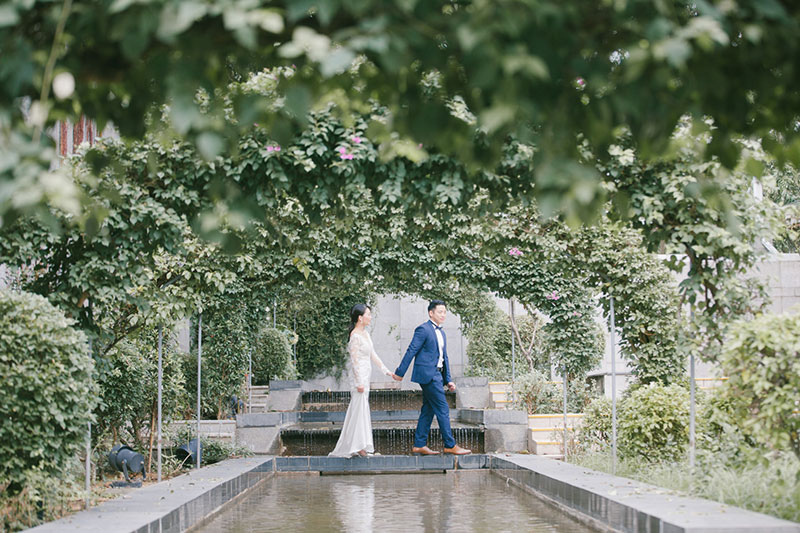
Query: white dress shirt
440, 338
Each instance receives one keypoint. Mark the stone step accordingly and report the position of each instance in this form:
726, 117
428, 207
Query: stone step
499, 386
550, 447
554, 420
546, 433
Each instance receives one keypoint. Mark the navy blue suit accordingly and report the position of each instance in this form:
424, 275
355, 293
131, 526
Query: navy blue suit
424, 350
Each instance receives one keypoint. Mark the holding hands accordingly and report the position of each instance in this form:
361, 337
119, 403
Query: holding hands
396, 377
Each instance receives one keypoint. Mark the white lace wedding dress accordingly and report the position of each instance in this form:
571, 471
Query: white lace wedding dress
357, 429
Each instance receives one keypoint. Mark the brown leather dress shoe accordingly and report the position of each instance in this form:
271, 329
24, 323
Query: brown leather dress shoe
457, 450
423, 451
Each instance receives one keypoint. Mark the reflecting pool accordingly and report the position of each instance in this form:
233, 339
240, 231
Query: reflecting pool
452, 502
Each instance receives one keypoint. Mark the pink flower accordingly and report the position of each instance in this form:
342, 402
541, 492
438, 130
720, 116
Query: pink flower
575, 313
357, 139
419, 145
553, 296
270, 148
347, 156
515, 251
277, 148
342, 150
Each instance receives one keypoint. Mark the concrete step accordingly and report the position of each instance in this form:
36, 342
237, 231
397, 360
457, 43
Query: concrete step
502, 404
554, 420
549, 433
546, 447
499, 386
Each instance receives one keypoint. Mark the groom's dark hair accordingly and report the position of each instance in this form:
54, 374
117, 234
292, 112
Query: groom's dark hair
434, 304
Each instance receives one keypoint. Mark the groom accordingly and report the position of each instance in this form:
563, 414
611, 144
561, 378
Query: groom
431, 371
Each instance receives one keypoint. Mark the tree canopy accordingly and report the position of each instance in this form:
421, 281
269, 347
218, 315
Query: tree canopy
549, 73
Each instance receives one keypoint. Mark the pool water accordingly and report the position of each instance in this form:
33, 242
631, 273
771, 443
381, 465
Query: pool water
453, 502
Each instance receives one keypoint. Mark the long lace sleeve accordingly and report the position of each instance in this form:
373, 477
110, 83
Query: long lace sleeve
354, 347
377, 361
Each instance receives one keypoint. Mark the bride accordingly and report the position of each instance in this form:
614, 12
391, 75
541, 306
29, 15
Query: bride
356, 436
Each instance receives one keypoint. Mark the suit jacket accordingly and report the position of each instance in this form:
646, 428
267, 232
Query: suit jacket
424, 350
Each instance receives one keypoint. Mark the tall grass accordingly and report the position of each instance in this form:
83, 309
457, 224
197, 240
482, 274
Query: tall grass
768, 483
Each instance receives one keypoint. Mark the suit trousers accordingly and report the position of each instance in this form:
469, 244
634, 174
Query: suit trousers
434, 403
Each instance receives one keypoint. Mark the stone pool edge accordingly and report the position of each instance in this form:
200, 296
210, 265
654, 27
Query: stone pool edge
596, 499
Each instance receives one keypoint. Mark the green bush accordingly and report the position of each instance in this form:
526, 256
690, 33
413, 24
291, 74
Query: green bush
762, 361
272, 357
322, 319
489, 344
128, 387
596, 428
47, 392
534, 394
654, 422
226, 343
721, 431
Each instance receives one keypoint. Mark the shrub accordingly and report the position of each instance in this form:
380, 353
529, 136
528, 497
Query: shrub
272, 357
128, 387
534, 394
654, 422
226, 342
47, 392
322, 321
762, 360
596, 427
489, 344
721, 431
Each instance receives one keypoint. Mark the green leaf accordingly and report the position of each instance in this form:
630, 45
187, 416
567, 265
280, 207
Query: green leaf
178, 17
8, 15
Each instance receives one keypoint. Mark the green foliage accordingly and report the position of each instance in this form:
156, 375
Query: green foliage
595, 430
654, 422
226, 342
213, 450
766, 486
761, 358
785, 193
650, 63
645, 299
45, 497
128, 388
322, 322
721, 430
534, 394
272, 356
706, 217
48, 391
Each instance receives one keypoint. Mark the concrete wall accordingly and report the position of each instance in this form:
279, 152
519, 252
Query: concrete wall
393, 323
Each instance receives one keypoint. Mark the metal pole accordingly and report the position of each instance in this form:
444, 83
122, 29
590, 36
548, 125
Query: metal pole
274, 314
513, 343
565, 412
160, 386
199, 368
692, 441
88, 484
613, 391
249, 381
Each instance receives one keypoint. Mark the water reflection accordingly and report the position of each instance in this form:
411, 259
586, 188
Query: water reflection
457, 501
355, 505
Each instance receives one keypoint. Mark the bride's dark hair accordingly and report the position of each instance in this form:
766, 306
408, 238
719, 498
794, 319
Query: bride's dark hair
355, 312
